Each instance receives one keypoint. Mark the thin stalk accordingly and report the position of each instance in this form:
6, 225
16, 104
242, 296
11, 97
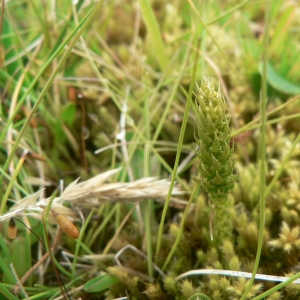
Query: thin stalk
147, 215
280, 170
107, 218
78, 243
230, 11
214, 39
273, 121
277, 287
185, 214
282, 166
262, 142
251, 124
12, 181
112, 240
148, 205
46, 242
180, 142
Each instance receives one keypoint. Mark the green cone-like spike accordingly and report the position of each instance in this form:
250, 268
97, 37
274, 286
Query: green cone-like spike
215, 154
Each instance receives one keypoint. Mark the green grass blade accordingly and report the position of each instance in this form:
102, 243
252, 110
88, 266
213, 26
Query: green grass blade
5, 292
262, 150
76, 33
155, 34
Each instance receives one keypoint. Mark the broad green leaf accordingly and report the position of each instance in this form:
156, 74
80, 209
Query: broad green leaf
100, 283
278, 82
68, 114
20, 254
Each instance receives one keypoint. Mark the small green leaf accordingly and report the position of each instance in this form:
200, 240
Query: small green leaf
100, 283
68, 114
199, 296
278, 82
20, 254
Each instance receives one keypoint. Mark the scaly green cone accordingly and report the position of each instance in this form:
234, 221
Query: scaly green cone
215, 154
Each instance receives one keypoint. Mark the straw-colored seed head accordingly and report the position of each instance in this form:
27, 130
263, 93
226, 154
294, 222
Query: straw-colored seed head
92, 193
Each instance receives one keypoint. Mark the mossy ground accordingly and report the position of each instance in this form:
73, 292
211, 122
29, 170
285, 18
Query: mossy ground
118, 93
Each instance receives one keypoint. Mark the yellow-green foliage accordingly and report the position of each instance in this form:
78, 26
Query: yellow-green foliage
238, 288
170, 285
275, 296
187, 288
154, 292
288, 239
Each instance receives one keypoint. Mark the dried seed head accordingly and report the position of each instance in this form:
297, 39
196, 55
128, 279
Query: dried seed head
92, 193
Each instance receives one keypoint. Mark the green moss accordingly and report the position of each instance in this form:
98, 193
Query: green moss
119, 74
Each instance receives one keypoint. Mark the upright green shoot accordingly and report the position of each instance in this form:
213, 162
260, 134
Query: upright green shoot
262, 152
215, 155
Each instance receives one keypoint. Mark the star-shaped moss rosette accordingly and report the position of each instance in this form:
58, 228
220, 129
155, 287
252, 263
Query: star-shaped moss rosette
215, 154
288, 240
